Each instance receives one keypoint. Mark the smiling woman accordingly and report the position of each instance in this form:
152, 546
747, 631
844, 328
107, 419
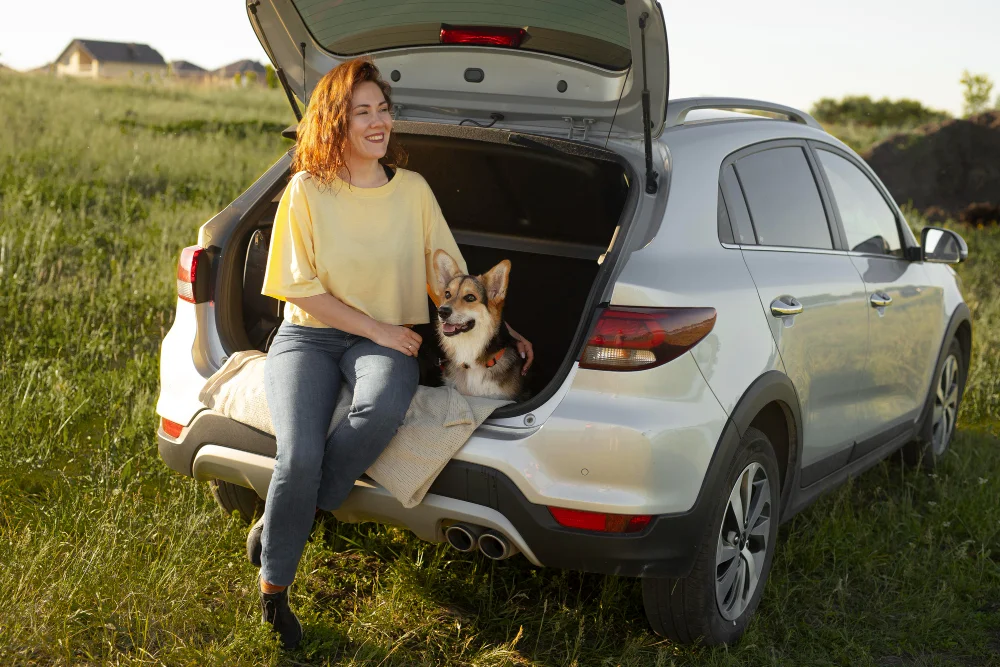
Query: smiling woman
350, 253
347, 120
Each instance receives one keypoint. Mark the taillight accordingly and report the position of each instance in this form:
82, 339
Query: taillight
599, 521
483, 35
173, 429
192, 275
634, 339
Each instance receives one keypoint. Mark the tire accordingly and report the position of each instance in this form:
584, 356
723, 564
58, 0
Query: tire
935, 435
232, 497
694, 609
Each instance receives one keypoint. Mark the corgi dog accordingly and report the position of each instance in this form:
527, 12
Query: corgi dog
481, 357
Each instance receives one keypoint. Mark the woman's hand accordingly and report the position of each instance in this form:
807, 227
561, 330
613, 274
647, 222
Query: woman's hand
523, 348
396, 337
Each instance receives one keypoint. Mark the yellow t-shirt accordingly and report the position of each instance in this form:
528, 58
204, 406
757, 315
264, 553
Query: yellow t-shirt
370, 247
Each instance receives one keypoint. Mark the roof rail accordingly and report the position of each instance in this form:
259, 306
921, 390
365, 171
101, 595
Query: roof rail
677, 110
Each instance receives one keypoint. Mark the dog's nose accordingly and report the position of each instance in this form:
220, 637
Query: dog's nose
444, 312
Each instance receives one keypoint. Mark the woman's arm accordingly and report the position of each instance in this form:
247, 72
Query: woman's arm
523, 348
333, 312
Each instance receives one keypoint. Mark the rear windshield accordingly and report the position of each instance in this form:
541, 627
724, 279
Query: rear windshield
593, 31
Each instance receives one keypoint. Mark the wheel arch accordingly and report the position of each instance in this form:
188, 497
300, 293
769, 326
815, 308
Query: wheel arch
959, 328
963, 333
771, 405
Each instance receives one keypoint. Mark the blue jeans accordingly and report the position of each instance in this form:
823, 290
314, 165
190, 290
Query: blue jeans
302, 378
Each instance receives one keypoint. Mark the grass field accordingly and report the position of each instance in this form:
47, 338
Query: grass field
107, 557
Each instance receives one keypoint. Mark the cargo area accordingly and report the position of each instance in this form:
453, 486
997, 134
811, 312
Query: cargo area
553, 208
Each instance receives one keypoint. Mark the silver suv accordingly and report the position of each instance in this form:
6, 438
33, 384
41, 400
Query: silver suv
729, 312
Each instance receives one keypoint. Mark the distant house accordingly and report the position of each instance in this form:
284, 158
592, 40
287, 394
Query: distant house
187, 71
95, 59
243, 68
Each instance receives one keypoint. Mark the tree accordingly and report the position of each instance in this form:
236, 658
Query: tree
238, 79
250, 77
863, 110
272, 78
977, 91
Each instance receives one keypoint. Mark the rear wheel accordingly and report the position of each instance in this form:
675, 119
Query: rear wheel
715, 601
232, 497
939, 426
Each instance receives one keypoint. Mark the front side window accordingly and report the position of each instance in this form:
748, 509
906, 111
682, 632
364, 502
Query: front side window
783, 199
868, 221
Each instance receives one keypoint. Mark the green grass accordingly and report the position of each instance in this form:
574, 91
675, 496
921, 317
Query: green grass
107, 557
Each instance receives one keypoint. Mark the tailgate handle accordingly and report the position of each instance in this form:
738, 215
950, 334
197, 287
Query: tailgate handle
785, 306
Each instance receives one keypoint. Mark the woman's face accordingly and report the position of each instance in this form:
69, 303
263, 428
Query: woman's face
371, 123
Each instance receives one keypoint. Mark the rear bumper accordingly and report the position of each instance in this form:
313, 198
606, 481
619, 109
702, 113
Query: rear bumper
665, 548
464, 491
625, 443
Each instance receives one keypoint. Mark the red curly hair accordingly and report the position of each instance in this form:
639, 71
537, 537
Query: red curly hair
322, 132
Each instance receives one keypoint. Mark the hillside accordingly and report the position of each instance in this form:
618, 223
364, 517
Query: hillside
946, 170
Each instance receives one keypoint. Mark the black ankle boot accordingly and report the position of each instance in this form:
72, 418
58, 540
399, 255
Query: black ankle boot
253, 542
274, 609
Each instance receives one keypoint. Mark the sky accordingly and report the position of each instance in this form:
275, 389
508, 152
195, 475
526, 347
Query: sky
793, 54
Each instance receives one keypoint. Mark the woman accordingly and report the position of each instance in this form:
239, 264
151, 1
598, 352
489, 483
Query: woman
350, 255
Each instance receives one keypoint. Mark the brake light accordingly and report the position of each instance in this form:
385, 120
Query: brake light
599, 521
634, 339
173, 429
193, 265
483, 35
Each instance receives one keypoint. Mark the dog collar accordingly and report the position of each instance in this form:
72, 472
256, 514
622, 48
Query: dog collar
495, 358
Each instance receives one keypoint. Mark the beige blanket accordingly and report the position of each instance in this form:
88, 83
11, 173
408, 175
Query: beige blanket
438, 422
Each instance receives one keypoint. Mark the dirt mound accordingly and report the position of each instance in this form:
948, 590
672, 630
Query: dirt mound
946, 170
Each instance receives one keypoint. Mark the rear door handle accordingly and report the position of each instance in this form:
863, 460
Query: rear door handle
786, 306
880, 299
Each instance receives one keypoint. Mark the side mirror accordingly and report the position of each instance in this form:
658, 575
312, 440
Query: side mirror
942, 245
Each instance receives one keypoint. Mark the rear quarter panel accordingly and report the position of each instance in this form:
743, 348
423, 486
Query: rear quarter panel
686, 265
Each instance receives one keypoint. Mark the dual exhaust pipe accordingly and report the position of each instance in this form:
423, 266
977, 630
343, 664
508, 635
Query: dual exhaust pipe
491, 543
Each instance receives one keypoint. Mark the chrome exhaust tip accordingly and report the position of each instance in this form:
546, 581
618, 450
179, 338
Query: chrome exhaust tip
495, 546
462, 536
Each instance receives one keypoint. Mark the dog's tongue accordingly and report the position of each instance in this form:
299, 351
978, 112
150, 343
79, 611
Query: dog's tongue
449, 328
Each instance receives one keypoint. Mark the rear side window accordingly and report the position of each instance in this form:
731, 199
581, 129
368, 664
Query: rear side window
868, 221
725, 227
783, 199
736, 206
593, 31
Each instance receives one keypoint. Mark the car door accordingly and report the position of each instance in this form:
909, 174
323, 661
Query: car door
906, 312
812, 295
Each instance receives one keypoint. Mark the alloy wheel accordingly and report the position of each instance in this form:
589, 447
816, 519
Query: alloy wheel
945, 406
742, 544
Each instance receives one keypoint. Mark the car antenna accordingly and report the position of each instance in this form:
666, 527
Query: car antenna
651, 174
622, 92
278, 72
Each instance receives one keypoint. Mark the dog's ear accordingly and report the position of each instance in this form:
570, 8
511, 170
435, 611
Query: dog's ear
445, 268
496, 281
